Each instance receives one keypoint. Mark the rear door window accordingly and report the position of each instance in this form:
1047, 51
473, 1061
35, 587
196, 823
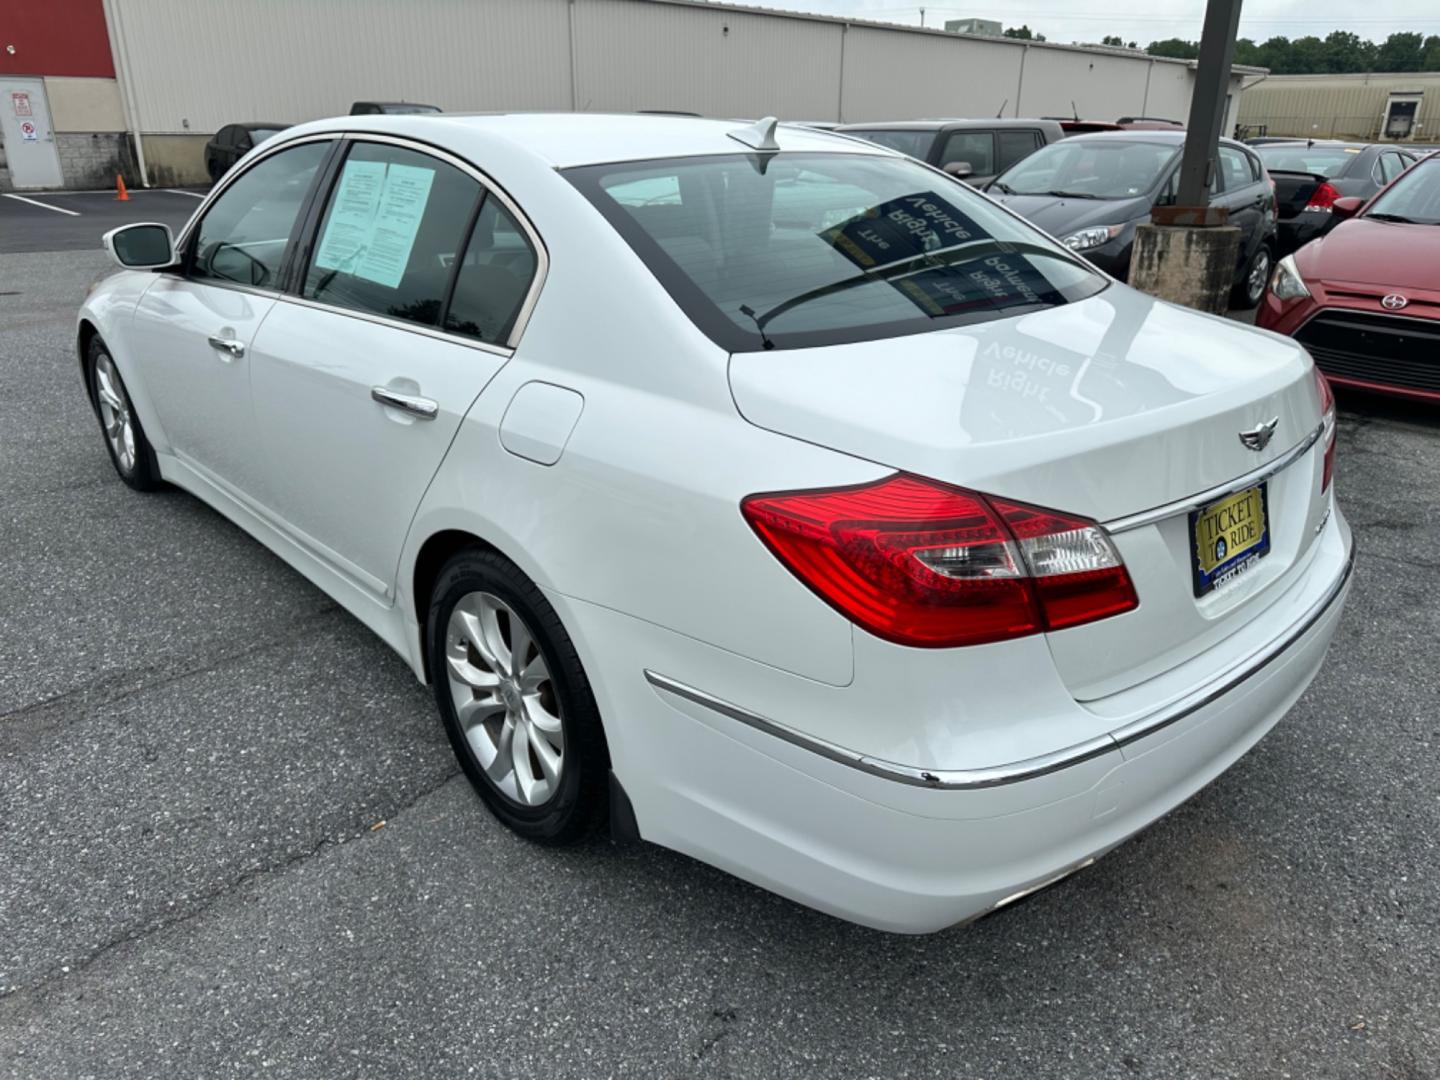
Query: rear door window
914, 143
1235, 168
494, 278
1015, 146
392, 230
243, 236
975, 148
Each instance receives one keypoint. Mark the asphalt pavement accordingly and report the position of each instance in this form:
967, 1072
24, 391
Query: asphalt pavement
233, 840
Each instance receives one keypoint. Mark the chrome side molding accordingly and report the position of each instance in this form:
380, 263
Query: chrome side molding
1028, 768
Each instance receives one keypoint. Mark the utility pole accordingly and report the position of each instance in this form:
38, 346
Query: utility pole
1188, 252
922, 16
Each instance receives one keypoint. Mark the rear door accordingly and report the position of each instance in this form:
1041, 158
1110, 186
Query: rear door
412, 287
1246, 198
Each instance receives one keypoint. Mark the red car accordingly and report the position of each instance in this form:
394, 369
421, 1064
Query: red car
1365, 298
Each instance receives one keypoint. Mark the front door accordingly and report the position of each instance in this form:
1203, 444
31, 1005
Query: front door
194, 330
361, 382
29, 140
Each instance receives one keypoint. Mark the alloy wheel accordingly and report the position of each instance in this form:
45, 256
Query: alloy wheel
115, 412
505, 698
1259, 275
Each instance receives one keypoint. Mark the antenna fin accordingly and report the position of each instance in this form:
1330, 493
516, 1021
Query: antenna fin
759, 135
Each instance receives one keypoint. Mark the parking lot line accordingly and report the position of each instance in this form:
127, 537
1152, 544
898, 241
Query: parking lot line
192, 194
46, 206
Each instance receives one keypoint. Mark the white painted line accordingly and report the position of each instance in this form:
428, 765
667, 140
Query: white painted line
42, 205
192, 194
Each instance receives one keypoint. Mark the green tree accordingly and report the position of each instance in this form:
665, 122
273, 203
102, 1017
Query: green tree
1174, 47
1113, 39
1401, 52
1430, 61
1023, 33
1345, 51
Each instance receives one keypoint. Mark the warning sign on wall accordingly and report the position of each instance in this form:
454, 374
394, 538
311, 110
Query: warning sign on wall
20, 102
27, 131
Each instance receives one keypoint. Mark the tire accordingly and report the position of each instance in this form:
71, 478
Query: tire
213, 168
130, 451
1251, 287
469, 632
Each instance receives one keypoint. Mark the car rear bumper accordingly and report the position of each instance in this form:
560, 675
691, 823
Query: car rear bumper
910, 849
1294, 233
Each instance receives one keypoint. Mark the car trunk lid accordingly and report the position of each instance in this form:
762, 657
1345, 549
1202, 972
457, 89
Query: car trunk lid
1107, 408
1293, 191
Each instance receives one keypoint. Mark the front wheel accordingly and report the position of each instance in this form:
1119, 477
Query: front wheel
515, 700
130, 450
1251, 286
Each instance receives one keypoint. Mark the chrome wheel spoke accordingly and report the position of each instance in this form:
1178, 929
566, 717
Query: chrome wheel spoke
104, 373
504, 698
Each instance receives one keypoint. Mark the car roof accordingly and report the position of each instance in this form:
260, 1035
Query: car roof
251, 125
938, 124
1328, 144
566, 140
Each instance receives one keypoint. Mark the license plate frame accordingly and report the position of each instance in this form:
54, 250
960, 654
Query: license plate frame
1222, 565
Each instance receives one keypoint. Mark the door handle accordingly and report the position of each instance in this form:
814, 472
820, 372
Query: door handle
225, 344
424, 408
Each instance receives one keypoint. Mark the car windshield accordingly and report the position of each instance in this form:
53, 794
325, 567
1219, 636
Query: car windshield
914, 143
1297, 157
1414, 197
792, 250
1091, 168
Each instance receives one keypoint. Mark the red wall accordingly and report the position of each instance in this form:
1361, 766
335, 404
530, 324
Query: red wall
54, 37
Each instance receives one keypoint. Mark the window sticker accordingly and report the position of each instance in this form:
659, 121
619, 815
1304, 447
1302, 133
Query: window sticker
374, 219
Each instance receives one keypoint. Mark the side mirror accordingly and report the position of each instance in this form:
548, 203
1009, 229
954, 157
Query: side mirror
1347, 207
958, 169
146, 246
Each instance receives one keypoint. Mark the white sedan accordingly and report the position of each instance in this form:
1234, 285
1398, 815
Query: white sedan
760, 492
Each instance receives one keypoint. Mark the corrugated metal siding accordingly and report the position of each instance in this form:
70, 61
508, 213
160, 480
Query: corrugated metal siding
941, 76
195, 65
213, 63
1322, 106
632, 55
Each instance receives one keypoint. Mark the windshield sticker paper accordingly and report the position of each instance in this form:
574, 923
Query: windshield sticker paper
397, 220
352, 216
374, 220
926, 224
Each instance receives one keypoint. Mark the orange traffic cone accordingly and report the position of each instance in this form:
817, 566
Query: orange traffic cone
121, 195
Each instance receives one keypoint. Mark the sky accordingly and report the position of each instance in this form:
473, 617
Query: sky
1071, 20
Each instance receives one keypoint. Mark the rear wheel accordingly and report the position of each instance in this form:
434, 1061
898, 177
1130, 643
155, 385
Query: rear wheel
515, 700
130, 450
1251, 286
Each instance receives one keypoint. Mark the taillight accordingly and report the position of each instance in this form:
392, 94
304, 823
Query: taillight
1323, 197
926, 564
1327, 410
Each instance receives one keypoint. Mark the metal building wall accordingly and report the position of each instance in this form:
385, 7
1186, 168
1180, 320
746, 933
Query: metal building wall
196, 65
1322, 106
719, 62
895, 75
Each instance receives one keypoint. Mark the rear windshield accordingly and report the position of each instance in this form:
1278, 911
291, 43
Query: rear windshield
793, 250
1090, 169
914, 143
259, 135
1320, 160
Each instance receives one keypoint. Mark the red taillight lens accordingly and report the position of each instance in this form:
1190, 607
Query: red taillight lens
1327, 411
926, 564
1323, 197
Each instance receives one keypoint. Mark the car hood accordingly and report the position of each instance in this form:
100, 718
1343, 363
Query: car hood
1374, 253
1104, 407
1060, 217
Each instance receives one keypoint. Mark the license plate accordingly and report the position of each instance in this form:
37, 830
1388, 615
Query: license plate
1228, 537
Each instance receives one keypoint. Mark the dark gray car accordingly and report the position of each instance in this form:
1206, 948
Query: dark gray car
1311, 174
976, 151
1091, 191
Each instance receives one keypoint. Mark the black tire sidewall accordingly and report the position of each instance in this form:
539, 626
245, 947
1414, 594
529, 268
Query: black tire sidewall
145, 476
1240, 295
578, 806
